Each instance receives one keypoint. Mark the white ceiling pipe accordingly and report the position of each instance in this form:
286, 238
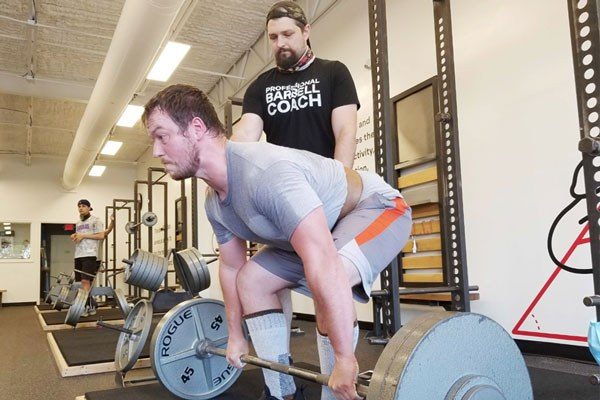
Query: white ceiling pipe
142, 28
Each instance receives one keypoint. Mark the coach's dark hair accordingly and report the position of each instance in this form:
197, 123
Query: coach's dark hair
183, 103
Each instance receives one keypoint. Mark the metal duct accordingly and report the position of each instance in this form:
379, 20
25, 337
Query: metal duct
142, 28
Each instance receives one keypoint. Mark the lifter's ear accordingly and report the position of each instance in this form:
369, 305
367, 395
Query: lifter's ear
197, 128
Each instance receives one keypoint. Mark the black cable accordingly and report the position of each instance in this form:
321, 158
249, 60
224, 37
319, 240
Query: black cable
577, 199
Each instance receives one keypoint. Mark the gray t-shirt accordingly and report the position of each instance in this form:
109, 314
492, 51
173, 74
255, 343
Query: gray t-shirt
88, 247
271, 189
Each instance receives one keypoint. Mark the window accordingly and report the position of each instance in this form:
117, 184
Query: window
414, 110
15, 240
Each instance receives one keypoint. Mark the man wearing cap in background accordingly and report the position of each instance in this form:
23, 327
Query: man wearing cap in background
304, 102
89, 233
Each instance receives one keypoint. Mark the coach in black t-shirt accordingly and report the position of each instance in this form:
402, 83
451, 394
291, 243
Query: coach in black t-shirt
304, 102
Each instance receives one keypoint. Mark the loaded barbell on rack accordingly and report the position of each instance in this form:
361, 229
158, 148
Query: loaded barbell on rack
143, 269
442, 355
65, 295
78, 301
75, 313
192, 270
62, 280
149, 219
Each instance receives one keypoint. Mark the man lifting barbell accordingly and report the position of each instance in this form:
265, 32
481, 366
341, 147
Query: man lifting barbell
328, 231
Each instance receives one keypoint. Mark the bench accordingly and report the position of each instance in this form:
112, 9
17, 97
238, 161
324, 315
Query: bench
1, 291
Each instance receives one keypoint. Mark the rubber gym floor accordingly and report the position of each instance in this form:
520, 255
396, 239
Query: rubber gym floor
29, 372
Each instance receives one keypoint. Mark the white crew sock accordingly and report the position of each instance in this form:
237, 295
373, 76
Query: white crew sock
269, 334
327, 358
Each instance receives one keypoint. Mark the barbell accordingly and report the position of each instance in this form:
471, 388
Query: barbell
149, 219
61, 280
65, 295
441, 355
77, 305
67, 291
194, 275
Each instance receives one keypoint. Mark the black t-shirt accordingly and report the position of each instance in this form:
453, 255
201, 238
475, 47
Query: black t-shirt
296, 108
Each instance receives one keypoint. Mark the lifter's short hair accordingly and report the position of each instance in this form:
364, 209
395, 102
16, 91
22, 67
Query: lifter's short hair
183, 103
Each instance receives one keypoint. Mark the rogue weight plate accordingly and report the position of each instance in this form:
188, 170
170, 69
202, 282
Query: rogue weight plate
193, 267
129, 347
173, 350
451, 356
77, 308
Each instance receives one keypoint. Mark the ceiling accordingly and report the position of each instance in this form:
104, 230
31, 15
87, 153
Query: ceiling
48, 68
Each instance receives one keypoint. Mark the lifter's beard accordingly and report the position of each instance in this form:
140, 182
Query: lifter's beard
189, 168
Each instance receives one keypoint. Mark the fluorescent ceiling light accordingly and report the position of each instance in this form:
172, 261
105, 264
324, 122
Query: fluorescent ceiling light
168, 60
111, 148
7, 232
130, 116
6, 223
97, 170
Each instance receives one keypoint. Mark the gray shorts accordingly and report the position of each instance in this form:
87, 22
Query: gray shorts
370, 236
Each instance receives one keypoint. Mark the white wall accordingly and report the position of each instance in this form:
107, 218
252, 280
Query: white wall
34, 195
519, 134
